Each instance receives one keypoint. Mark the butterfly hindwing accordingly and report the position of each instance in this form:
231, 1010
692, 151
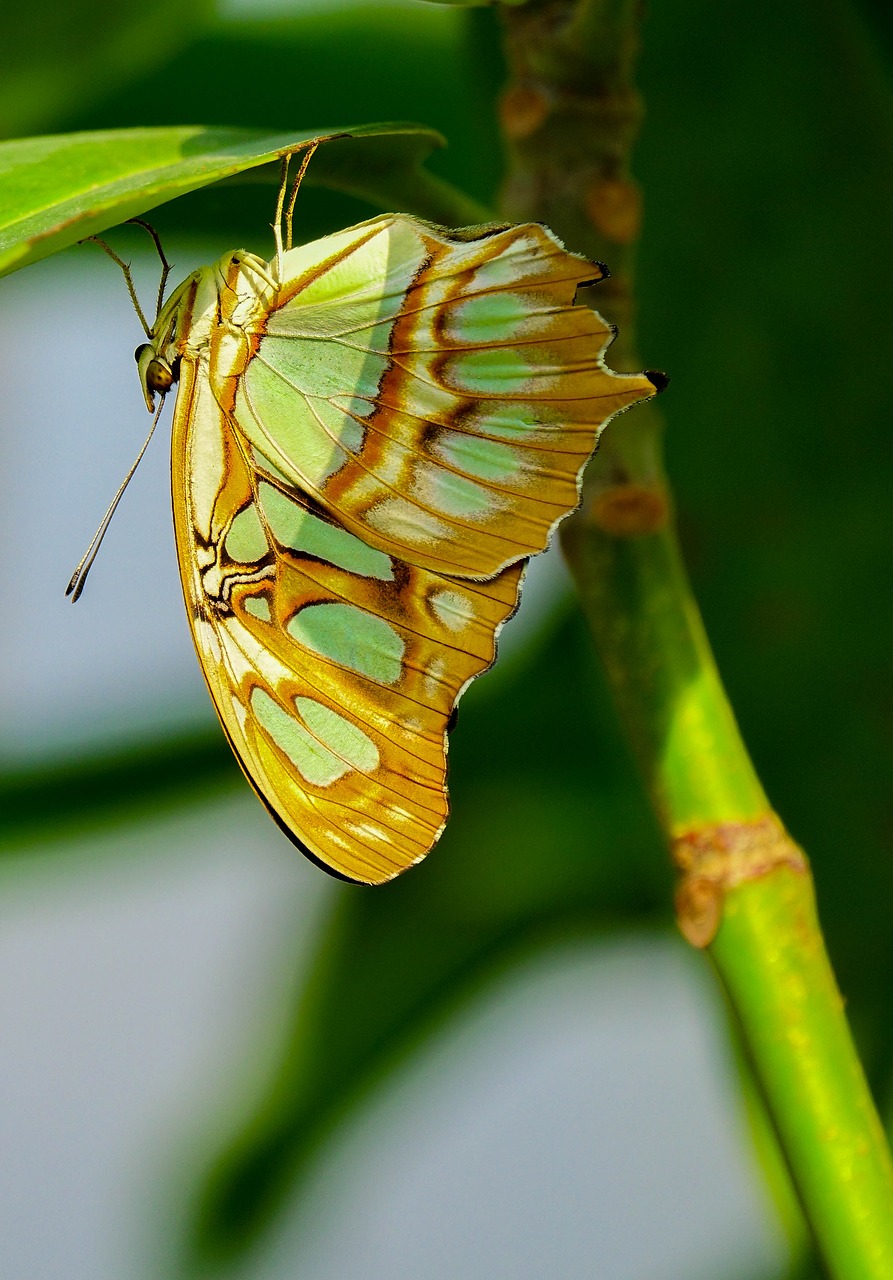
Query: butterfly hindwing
333, 666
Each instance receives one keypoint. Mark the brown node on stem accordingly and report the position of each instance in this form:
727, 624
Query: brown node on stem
614, 207
698, 902
715, 858
522, 109
630, 510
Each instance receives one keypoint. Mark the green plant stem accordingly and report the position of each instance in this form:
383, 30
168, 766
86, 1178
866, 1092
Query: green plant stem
772, 961
570, 115
636, 595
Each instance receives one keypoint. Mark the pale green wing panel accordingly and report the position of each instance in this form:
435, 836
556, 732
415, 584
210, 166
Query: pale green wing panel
349, 280
290, 403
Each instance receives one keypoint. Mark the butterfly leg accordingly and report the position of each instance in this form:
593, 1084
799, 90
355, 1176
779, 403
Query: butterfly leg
280, 205
165, 265
289, 216
284, 217
128, 277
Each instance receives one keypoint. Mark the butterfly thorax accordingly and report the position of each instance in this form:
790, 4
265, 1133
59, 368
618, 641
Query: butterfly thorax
228, 297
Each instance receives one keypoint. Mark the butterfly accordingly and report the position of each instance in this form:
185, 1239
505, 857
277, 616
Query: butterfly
371, 435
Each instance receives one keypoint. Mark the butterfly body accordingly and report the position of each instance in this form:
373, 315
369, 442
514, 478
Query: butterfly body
372, 433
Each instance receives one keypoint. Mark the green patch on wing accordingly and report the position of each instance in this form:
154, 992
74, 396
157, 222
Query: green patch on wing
246, 542
294, 526
353, 638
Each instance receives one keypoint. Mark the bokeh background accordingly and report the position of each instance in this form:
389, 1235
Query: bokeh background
506, 1064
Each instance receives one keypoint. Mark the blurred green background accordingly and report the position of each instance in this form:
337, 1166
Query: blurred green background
764, 290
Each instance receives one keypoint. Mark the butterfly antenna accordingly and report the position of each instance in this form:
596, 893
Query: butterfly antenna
165, 265
289, 215
131, 288
79, 577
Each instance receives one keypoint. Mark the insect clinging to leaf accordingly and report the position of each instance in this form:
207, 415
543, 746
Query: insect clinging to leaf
371, 435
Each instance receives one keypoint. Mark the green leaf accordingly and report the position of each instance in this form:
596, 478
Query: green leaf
57, 190
347, 58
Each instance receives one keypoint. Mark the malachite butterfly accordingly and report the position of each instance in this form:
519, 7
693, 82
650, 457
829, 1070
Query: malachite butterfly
372, 434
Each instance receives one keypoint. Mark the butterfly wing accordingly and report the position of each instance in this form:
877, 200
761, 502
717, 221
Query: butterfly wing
333, 665
363, 457
438, 392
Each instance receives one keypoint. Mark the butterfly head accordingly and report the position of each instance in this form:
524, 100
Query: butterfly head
157, 375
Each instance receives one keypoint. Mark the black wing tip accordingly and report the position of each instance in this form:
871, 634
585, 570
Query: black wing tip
590, 281
658, 379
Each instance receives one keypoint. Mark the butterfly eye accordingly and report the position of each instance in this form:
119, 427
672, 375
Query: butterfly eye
159, 375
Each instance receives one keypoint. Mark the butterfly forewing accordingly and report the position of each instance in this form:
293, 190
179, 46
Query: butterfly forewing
364, 454
439, 394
